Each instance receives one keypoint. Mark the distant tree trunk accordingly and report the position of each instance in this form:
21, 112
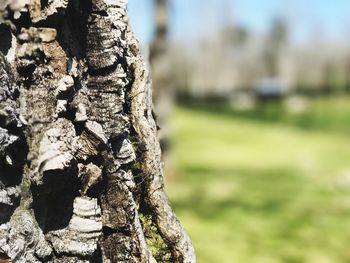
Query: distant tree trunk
161, 72
277, 39
327, 76
81, 177
347, 76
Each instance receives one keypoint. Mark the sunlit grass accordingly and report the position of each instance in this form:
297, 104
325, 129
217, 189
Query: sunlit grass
258, 191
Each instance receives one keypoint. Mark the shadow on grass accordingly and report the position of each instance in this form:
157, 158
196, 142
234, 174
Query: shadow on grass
323, 114
266, 192
274, 205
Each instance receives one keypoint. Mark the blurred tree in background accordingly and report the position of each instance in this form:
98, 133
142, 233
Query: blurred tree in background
163, 93
277, 39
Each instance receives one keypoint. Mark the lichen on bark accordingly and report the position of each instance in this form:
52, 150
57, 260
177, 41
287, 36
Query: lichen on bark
80, 162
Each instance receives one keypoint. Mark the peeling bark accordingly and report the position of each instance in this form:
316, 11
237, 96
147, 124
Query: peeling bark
81, 177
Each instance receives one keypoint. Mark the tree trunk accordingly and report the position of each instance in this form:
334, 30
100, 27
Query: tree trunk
81, 176
163, 93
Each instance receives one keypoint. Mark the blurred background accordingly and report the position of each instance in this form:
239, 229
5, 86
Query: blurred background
253, 102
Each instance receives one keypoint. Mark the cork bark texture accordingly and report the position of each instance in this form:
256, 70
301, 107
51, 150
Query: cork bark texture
81, 176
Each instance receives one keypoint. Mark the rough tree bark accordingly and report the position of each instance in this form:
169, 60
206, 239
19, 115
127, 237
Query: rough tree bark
81, 177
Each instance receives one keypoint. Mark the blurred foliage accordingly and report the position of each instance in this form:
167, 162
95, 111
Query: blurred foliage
264, 185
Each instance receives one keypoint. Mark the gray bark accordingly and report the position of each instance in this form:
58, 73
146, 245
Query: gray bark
81, 177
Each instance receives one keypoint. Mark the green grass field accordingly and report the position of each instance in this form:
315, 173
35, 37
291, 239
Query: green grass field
255, 189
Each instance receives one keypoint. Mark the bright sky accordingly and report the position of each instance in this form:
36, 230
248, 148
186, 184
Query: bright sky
327, 19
